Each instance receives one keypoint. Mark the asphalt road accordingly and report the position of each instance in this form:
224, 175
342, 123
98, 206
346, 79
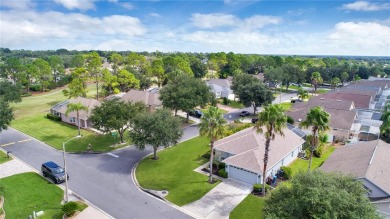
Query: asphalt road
102, 179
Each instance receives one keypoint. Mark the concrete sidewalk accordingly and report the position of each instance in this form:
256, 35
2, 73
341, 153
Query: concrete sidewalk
221, 200
16, 166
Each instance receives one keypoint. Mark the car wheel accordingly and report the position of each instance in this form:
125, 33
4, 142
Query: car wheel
55, 181
44, 174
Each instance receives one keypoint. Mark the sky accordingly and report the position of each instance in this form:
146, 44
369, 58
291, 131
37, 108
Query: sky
302, 27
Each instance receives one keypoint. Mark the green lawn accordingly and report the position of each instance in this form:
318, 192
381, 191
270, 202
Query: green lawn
3, 157
55, 133
220, 110
28, 192
250, 208
174, 172
286, 105
322, 91
302, 165
232, 103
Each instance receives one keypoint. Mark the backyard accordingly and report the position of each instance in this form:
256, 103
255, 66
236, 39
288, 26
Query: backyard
174, 172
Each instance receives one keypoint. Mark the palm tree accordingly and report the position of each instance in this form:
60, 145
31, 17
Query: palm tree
318, 119
273, 119
335, 82
316, 80
212, 126
76, 107
302, 94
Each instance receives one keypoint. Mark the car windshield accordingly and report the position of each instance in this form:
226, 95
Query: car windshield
58, 170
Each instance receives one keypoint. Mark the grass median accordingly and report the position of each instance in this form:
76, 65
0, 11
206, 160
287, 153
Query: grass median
174, 172
3, 157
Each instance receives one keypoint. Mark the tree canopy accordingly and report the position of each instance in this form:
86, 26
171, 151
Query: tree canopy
158, 129
320, 195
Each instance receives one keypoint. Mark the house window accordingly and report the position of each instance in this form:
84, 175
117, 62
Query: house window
72, 119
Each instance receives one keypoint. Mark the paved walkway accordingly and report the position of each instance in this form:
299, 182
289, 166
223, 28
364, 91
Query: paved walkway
15, 166
221, 200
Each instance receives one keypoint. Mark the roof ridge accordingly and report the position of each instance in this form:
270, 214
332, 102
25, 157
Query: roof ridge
371, 159
236, 138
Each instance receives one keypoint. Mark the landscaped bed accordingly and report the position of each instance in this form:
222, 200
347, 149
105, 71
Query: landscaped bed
174, 172
55, 133
250, 208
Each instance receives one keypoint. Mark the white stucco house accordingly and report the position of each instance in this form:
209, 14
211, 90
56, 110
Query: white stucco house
243, 153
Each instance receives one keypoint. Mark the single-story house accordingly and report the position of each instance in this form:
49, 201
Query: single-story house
243, 153
368, 162
221, 88
361, 101
60, 110
150, 97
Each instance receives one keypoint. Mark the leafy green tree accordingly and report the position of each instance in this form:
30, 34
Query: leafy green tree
127, 80
6, 114
385, 127
77, 87
198, 68
93, 63
212, 126
174, 64
57, 66
292, 73
157, 70
12, 68
344, 77
273, 120
184, 93
116, 60
30, 72
116, 115
158, 129
251, 91
76, 107
302, 94
110, 82
320, 195
334, 82
137, 62
9, 92
44, 72
318, 120
316, 80
77, 61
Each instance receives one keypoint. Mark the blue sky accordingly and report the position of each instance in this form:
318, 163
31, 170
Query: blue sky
261, 27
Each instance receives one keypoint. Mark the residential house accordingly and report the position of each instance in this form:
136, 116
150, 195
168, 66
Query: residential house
150, 97
342, 115
221, 88
60, 110
243, 153
360, 101
368, 162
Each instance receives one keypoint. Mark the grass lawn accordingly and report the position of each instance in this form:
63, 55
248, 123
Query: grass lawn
232, 103
55, 133
286, 105
250, 208
174, 171
322, 91
220, 110
3, 157
302, 165
28, 192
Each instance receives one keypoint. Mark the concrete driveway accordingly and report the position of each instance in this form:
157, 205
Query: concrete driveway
220, 201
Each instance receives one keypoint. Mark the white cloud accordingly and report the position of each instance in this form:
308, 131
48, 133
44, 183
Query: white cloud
77, 4
113, 1
216, 20
20, 4
366, 6
127, 5
154, 15
21, 29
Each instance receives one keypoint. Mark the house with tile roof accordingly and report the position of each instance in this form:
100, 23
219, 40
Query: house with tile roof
368, 162
150, 97
243, 153
361, 101
60, 110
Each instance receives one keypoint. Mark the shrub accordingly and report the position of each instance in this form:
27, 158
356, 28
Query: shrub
26, 95
207, 155
290, 120
35, 87
318, 151
287, 172
259, 187
222, 173
221, 165
307, 151
226, 101
53, 117
69, 208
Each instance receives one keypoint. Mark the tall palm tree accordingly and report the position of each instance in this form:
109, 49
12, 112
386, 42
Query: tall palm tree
318, 120
316, 80
273, 119
212, 126
76, 107
302, 94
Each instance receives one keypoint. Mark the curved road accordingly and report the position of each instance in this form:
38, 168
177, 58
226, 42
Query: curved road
102, 179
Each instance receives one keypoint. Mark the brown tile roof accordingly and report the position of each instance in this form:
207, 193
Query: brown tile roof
370, 160
248, 147
90, 103
339, 119
148, 97
360, 101
355, 91
328, 102
374, 83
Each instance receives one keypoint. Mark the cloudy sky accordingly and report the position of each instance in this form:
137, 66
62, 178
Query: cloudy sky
303, 27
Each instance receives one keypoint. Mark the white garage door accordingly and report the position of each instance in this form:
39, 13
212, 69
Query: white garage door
242, 175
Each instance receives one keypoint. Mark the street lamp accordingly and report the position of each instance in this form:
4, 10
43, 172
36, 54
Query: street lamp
66, 174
